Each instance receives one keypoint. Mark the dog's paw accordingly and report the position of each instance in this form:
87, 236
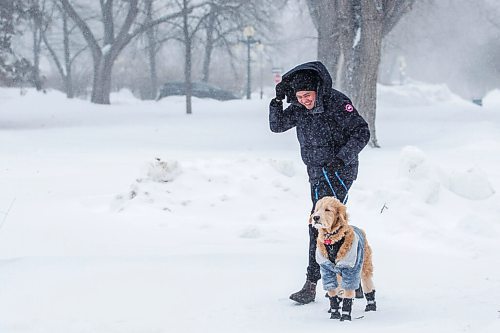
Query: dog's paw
345, 317
335, 315
371, 307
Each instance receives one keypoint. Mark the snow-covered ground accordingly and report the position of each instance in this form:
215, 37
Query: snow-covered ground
136, 217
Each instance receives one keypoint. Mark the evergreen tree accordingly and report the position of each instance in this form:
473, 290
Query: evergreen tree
13, 69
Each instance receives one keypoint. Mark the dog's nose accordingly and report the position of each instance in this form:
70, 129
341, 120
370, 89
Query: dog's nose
316, 218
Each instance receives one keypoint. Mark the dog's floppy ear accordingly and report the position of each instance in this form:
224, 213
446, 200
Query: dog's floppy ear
341, 214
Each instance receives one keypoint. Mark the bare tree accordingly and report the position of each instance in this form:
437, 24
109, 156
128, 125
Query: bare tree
188, 42
224, 20
209, 39
38, 24
152, 50
227, 19
64, 62
154, 39
112, 43
13, 69
350, 37
192, 21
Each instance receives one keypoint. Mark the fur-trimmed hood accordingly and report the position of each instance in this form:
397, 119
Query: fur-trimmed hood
324, 88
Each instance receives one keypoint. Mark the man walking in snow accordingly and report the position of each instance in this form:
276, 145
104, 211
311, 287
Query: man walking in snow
331, 134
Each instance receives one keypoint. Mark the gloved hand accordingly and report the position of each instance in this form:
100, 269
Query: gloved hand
280, 91
336, 164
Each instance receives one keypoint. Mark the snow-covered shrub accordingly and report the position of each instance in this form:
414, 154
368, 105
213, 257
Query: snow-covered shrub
471, 184
163, 171
418, 175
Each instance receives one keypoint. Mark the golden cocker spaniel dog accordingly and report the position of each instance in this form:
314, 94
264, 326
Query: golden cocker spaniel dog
344, 256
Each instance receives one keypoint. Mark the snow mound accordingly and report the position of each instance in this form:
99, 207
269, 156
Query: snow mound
163, 171
492, 99
123, 96
150, 189
418, 175
415, 94
471, 184
211, 186
413, 163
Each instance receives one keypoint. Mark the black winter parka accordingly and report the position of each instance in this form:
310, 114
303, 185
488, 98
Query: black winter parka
332, 132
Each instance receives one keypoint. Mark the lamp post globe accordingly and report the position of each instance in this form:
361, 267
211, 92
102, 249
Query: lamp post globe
248, 31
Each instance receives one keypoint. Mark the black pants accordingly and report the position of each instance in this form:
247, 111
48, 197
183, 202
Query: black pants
329, 185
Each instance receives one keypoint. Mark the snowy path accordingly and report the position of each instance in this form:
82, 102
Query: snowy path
94, 243
227, 293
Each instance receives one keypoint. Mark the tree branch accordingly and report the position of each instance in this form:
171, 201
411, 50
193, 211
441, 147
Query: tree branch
394, 10
121, 39
107, 18
54, 56
86, 32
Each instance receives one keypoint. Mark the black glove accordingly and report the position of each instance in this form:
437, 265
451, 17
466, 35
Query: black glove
336, 164
280, 91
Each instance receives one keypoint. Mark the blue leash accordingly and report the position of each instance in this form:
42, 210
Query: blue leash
343, 184
331, 187
329, 183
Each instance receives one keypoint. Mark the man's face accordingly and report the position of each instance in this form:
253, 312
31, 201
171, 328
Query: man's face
306, 98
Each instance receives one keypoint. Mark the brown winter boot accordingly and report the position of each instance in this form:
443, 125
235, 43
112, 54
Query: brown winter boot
306, 295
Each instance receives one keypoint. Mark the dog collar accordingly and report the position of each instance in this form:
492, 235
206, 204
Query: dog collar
327, 240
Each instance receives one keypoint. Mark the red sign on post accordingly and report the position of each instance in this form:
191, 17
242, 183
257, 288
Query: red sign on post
277, 75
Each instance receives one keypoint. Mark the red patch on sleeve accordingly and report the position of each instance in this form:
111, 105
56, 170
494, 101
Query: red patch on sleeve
349, 107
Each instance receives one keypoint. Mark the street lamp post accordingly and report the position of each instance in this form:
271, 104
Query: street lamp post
260, 47
248, 32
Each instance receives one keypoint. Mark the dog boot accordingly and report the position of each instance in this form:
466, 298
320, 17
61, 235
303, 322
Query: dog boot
306, 295
370, 299
346, 309
334, 307
359, 292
